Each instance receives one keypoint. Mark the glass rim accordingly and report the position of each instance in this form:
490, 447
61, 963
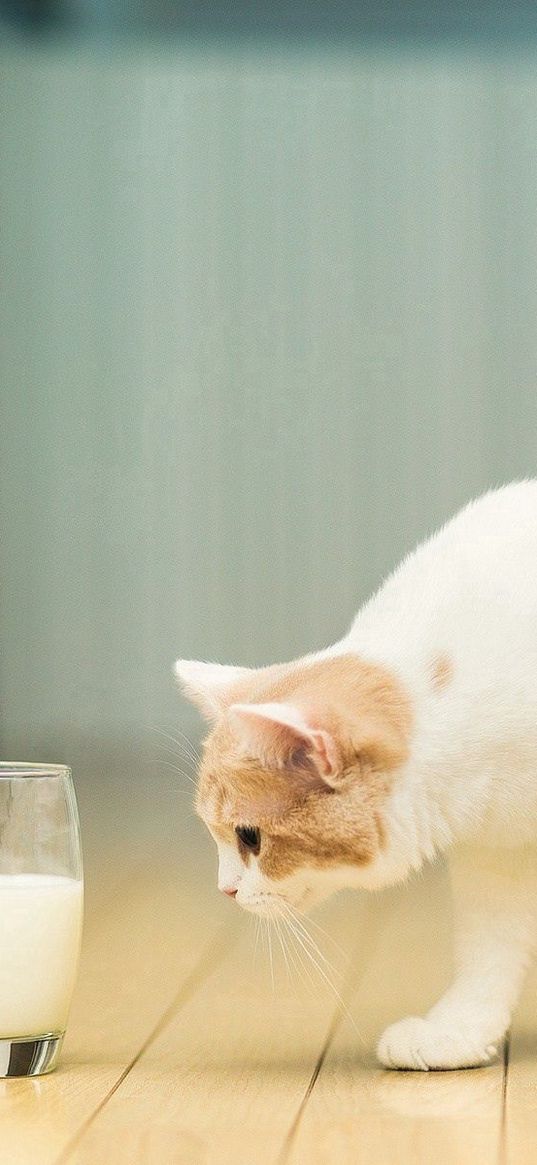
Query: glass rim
18, 768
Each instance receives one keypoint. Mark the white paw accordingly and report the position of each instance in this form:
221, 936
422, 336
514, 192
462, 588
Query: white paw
420, 1044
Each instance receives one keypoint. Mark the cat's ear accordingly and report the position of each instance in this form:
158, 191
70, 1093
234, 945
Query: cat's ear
282, 733
208, 685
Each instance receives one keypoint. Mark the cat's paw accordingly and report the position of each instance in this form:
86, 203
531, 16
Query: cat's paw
419, 1044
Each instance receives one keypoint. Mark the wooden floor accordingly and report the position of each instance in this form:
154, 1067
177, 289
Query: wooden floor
180, 1051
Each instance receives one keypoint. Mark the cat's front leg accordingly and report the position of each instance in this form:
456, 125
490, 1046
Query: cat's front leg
494, 902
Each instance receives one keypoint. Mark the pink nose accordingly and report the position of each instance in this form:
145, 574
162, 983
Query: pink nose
228, 891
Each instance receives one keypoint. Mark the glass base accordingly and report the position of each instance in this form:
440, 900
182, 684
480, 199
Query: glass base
30, 1056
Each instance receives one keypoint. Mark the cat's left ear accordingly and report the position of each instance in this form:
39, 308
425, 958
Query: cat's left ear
283, 733
209, 685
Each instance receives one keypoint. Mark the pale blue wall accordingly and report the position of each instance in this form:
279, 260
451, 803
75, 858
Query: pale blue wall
269, 317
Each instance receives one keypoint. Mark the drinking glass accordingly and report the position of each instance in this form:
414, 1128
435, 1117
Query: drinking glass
41, 893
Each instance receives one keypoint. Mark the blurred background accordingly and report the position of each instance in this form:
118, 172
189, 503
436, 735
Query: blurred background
268, 316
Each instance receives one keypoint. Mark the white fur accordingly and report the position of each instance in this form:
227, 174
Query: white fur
470, 784
230, 866
469, 593
255, 892
469, 787
207, 683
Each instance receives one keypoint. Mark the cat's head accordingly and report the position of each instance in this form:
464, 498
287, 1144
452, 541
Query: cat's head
295, 774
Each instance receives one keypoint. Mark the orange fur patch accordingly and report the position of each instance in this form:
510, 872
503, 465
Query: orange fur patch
302, 821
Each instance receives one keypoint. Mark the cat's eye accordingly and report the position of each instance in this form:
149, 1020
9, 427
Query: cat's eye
250, 838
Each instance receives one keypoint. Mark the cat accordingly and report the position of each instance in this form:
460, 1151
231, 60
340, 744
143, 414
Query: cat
414, 735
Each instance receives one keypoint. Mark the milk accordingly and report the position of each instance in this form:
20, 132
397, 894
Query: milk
40, 930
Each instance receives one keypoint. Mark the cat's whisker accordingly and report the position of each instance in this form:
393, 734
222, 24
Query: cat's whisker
276, 922
194, 758
299, 962
159, 766
337, 993
177, 756
269, 936
310, 957
290, 949
257, 929
178, 787
281, 940
265, 932
177, 769
300, 924
185, 744
171, 748
180, 755
276, 931
309, 952
326, 935
314, 947
180, 738
261, 934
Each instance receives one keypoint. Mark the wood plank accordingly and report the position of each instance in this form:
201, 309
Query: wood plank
358, 1112
231, 1072
225, 1078
520, 1123
147, 941
179, 1051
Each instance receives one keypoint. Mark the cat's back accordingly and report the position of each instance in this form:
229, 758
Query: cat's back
457, 624
500, 516
475, 578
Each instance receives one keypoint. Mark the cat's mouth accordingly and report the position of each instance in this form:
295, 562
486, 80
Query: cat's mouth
274, 905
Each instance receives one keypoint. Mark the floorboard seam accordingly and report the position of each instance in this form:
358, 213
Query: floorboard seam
292, 1131
369, 937
502, 1144
208, 962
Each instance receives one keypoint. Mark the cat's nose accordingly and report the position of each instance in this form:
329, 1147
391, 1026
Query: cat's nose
227, 890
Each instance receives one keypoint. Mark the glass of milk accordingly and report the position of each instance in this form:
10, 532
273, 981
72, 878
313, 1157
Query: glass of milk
40, 913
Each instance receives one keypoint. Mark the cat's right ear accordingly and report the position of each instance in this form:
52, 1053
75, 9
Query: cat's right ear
210, 686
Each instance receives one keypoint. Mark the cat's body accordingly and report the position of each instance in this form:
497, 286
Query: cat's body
413, 735
457, 623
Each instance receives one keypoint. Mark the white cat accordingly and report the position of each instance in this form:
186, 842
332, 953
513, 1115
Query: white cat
414, 735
